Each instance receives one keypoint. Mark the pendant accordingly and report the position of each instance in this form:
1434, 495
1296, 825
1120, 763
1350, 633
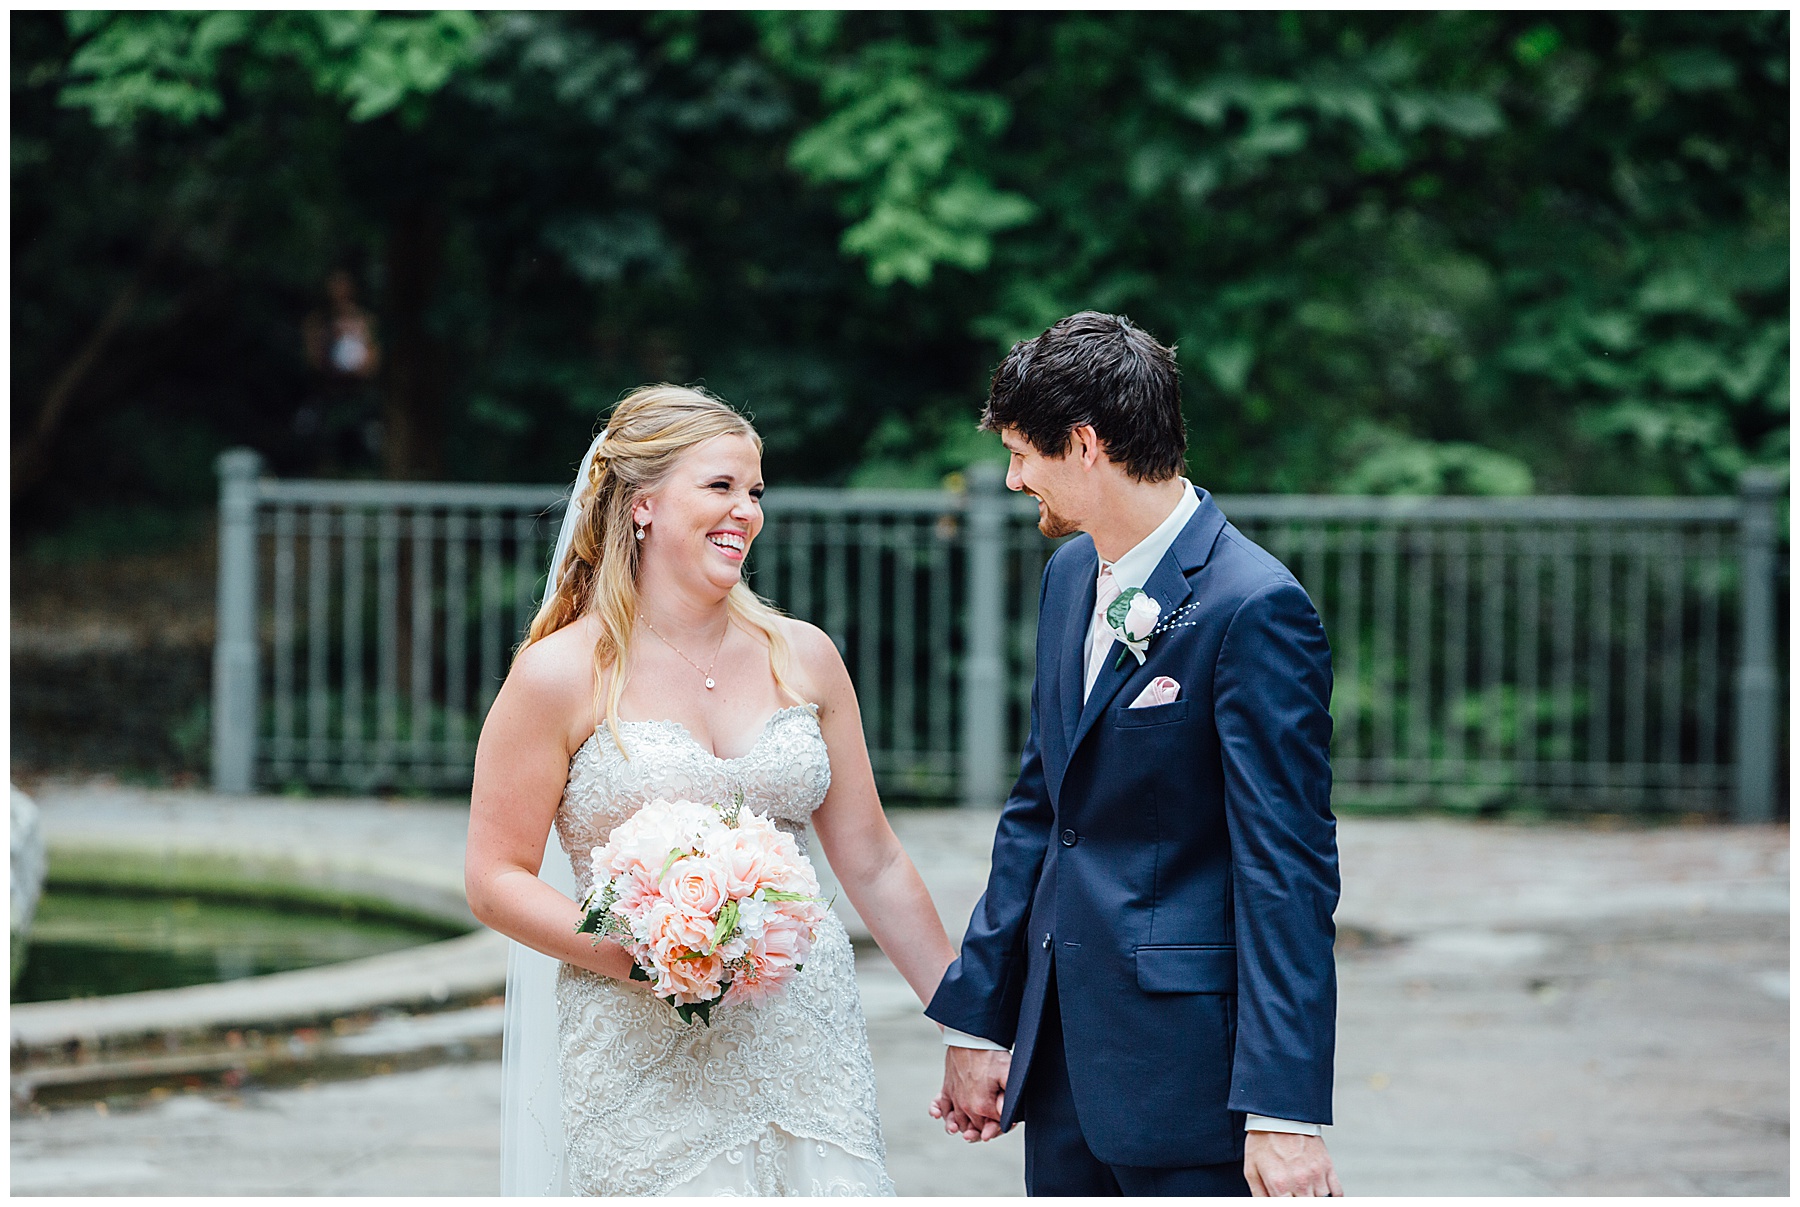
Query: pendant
709, 683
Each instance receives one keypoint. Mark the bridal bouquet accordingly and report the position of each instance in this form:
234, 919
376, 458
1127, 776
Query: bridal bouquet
706, 898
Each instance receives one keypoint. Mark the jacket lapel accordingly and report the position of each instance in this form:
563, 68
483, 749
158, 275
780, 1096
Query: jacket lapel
1170, 588
1073, 632
1069, 665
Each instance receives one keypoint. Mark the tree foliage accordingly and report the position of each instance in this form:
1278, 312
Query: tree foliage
1419, 252
1430, 252
179, 64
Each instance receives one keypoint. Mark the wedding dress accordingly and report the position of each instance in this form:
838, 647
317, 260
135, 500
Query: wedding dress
776, 1098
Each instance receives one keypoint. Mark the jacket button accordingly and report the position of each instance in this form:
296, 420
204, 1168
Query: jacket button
1046, 942
1068, 838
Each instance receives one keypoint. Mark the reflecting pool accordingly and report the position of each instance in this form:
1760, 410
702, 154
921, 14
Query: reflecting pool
86, 943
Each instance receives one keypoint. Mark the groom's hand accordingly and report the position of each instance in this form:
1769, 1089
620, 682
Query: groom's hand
974, 1093
1285, 1165
958, 1124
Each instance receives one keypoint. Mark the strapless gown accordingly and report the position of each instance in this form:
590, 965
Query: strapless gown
776, 1098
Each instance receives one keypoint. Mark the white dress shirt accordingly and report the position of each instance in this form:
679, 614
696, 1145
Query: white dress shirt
1133, 569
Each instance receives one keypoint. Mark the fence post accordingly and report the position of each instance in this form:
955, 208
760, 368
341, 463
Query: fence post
984, 653
234, 702
1757, 680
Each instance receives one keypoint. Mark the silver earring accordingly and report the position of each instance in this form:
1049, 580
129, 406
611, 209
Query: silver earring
640, 532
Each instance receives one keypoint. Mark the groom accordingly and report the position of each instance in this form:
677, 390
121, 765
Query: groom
1154, 945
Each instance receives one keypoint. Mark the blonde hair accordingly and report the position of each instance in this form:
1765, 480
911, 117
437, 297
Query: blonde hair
646, 435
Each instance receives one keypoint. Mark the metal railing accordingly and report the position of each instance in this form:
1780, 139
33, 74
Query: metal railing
1617, 652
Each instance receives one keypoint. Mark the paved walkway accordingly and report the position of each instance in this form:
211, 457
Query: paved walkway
1524, 1010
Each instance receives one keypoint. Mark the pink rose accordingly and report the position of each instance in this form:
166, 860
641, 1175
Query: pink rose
745, 859
691, 981
671, 933
756, 855
790, 872
808, 914
696, 885
783, 944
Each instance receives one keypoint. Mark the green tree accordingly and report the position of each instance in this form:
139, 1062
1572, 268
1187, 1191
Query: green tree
1465, 252
177, 185
1425, 252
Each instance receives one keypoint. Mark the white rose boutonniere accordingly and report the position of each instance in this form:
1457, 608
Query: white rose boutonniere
1132, 618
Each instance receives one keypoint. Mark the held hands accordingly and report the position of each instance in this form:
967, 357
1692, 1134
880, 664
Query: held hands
974, 1093
1285, 1165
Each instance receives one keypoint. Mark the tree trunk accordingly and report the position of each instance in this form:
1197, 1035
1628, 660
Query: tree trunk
412, 443
31, 453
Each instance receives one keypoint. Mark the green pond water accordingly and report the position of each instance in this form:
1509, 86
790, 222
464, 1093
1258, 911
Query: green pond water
86, 943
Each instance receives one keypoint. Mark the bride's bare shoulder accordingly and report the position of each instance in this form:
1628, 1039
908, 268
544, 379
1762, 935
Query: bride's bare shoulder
816, 658
554, 676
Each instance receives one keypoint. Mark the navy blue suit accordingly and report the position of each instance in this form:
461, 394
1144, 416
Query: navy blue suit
1173, 868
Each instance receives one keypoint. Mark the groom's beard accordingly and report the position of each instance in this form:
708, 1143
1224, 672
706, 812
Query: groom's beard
1051, 524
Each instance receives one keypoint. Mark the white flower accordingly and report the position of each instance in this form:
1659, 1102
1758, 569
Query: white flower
753, 916
1132, 618
647, 836
1141, 617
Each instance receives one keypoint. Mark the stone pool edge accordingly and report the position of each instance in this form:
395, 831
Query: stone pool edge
432, 976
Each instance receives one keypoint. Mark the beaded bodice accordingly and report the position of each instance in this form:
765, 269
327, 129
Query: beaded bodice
770, 1098
784, 776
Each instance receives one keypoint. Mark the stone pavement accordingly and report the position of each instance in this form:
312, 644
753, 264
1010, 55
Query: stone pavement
1523, 1010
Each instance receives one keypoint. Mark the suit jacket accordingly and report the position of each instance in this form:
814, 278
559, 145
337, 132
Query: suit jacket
1174, 866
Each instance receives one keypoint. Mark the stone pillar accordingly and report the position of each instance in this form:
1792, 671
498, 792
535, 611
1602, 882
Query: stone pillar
984, 745
1758, 682
234, 701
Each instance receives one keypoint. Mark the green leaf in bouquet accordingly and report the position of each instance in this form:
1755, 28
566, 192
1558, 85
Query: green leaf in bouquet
775, 894
699, 1010
674, 854
638, 974
726, 927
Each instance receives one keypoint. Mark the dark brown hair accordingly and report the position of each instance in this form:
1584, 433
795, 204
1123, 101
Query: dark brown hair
1096, 369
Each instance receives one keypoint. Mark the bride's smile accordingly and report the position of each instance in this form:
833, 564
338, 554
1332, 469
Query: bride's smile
699, 525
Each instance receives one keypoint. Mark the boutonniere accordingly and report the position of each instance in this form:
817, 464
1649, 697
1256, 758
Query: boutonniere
1134, 618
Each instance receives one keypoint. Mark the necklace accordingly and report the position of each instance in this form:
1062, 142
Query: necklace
705, 674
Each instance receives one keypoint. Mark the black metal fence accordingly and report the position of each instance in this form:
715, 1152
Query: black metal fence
1620, 653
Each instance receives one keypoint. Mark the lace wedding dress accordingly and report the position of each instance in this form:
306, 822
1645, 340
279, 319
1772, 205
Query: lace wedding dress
769, 1099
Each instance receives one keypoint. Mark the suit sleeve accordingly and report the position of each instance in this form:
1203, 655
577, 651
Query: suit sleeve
1272, 691
981, 989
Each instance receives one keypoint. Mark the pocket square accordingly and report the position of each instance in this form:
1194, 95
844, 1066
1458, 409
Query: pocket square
1162, 690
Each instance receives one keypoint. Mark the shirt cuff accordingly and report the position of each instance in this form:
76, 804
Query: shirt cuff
962, 1039
1262, 1123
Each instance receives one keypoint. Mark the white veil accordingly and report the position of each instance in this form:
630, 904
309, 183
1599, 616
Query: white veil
531, 1127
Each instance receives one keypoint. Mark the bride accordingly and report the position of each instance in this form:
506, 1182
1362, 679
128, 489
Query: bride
652, 671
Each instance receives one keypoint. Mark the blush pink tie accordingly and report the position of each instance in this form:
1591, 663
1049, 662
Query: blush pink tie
1106, 589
